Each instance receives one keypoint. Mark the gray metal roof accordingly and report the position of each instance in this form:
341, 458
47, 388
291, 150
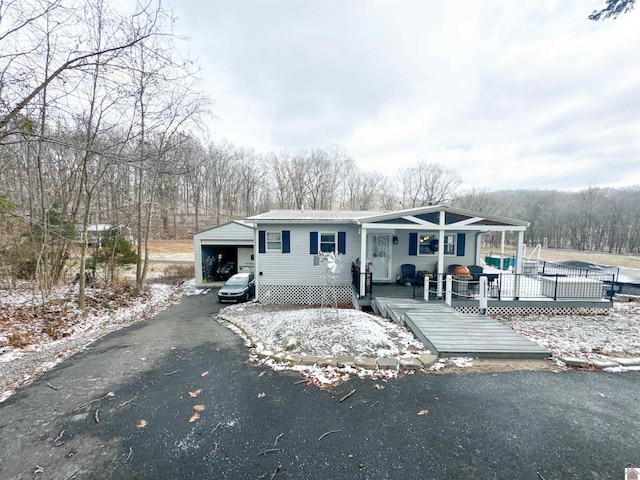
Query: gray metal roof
313, 215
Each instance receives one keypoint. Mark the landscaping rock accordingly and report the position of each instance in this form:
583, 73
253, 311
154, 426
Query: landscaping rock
291, 344
279, 357
264, 353
308, 361
388, 363
344, 360
604, 363
327, 362
627, 362
293, 359
575, 362
366, 362
427, 359
410, 363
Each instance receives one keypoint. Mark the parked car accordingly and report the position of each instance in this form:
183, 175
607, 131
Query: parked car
224, 271
239, 288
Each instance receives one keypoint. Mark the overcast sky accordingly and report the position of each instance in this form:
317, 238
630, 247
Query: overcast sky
510, 94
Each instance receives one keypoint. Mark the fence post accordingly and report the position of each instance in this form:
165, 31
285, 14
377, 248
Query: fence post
448, 288
483, 292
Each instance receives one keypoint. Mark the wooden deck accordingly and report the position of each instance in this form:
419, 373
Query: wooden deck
449, 333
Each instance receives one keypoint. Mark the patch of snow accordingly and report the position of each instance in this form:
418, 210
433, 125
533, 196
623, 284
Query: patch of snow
322, 332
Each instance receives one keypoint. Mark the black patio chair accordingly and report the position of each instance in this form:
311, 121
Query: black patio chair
408, 272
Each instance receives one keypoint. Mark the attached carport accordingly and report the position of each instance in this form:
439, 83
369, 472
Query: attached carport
229, 243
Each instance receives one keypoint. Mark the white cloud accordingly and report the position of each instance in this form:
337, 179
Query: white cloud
510, 94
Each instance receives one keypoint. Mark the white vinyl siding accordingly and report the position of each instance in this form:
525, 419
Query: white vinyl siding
296, 267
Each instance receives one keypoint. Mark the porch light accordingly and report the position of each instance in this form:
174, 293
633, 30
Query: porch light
395, 240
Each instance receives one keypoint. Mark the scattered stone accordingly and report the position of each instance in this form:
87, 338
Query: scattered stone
387, 363
427, 359
575, 362
367, 363
410, 363
259, 347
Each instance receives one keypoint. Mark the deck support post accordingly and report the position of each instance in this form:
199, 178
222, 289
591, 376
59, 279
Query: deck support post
448, 288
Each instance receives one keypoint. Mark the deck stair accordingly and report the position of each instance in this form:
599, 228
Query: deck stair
449, 333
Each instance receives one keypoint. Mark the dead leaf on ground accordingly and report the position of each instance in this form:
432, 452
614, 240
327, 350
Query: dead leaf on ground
378, 386
194, 417
423, 412
195, 393
602, 394
38, 469
204, 374
261, 374
141, 423
199, 408
262, 394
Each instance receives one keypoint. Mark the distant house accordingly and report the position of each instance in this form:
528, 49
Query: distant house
430, 238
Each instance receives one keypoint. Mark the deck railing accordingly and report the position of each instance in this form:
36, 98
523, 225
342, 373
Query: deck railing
362, 281
509, 286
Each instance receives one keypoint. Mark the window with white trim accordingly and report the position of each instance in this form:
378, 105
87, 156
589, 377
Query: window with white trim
428, 244
327, 242
274, 241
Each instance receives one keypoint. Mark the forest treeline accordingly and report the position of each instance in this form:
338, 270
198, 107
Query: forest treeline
109, 130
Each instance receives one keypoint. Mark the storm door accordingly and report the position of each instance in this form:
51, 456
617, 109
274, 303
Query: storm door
380, 248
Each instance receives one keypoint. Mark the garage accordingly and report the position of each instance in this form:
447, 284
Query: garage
230, 246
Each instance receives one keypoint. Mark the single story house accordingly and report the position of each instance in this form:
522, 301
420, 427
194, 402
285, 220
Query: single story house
431, 238
229, 243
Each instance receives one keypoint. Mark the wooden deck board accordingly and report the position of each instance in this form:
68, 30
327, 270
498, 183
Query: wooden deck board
449, 333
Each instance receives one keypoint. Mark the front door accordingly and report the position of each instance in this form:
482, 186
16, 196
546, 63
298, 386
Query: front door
380, 248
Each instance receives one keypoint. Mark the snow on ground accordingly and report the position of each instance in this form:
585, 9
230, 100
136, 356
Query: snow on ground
27, 351
325, 331
616, 334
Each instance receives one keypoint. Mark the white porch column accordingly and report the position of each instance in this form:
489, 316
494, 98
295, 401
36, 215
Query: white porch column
362, 285
502, 251
440, 254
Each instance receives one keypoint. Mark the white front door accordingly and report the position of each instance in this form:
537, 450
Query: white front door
380, 248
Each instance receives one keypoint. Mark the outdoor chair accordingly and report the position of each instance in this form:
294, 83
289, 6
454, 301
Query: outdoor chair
408, 272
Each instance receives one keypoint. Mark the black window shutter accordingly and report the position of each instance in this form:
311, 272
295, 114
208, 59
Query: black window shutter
460, 245
313, 243
413, 243
342, 243
286, 241
262, 243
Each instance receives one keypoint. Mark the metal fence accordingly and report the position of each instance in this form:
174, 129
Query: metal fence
556, 286
362, 281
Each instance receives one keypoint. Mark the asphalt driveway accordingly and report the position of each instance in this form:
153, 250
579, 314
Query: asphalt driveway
122, 410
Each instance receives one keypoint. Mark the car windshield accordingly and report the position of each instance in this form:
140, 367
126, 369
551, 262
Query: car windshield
237, 281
